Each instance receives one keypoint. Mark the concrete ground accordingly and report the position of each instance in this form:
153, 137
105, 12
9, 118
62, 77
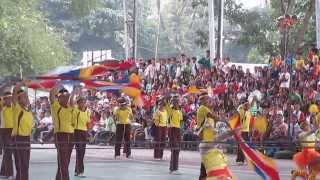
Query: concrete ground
99, 164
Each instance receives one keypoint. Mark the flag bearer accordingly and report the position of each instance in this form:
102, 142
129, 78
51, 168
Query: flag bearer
21, 132
62, 113
81, 117
205, 125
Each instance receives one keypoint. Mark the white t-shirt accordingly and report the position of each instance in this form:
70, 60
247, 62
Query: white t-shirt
285, 84
150, 71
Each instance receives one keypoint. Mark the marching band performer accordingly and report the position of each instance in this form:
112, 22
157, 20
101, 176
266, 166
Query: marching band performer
205, 124
214, 161
21, 132
81, 116
160, 120
123, 116
245, 118
63, 121
307, 155
6, 125
175, 119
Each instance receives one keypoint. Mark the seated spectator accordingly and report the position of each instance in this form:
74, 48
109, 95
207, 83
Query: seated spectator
45, 124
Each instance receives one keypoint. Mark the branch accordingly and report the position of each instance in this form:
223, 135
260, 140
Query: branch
304, 27
282, 7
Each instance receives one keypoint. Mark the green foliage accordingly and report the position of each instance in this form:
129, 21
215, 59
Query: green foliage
255, 56
27, 41
81, 8
258, 27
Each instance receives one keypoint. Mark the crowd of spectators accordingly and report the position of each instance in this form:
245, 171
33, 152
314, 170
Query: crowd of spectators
286, 90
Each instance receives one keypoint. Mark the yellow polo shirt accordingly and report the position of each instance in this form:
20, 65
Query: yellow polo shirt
63, 120
22, 121
160, 118
207, 134
175, 117
6, 117
123, 115
81, 119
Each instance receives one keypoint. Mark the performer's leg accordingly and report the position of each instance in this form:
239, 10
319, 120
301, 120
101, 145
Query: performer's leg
156, 143
176, 151
7, 162
1, 142
77, 146
175, 145
240, 155
119, 136
203, 172
163, 131
127, 139
63, 149
25, 158
83, 150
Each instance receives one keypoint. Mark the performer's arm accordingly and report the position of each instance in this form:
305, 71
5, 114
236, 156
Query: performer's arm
15, 92
72, 96
53, 93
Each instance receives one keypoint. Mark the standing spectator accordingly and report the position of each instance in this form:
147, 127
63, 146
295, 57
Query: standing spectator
150, 71
194, 66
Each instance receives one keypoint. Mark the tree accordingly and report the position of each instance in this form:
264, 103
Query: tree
258, 27
26, 40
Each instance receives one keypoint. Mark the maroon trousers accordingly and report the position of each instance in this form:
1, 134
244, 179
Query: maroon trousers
64, 145
22, 156
160, 139
122, 133
174, 142
80, 138
7, 161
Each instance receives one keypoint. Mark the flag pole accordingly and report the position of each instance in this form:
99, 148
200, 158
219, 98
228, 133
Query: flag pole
158, 31
211, 30
318, 22
125, 29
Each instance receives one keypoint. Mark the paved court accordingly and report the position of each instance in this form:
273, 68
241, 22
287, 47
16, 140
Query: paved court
99, 164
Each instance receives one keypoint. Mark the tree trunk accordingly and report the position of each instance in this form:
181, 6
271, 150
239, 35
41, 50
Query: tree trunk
304, 27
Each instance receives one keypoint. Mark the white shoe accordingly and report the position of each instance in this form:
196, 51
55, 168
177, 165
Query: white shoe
176, 172
10, 178
81, 175
117, 157
240, 163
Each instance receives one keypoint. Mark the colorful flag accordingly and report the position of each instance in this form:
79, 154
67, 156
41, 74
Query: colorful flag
234, 121
262, 165
90, 72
